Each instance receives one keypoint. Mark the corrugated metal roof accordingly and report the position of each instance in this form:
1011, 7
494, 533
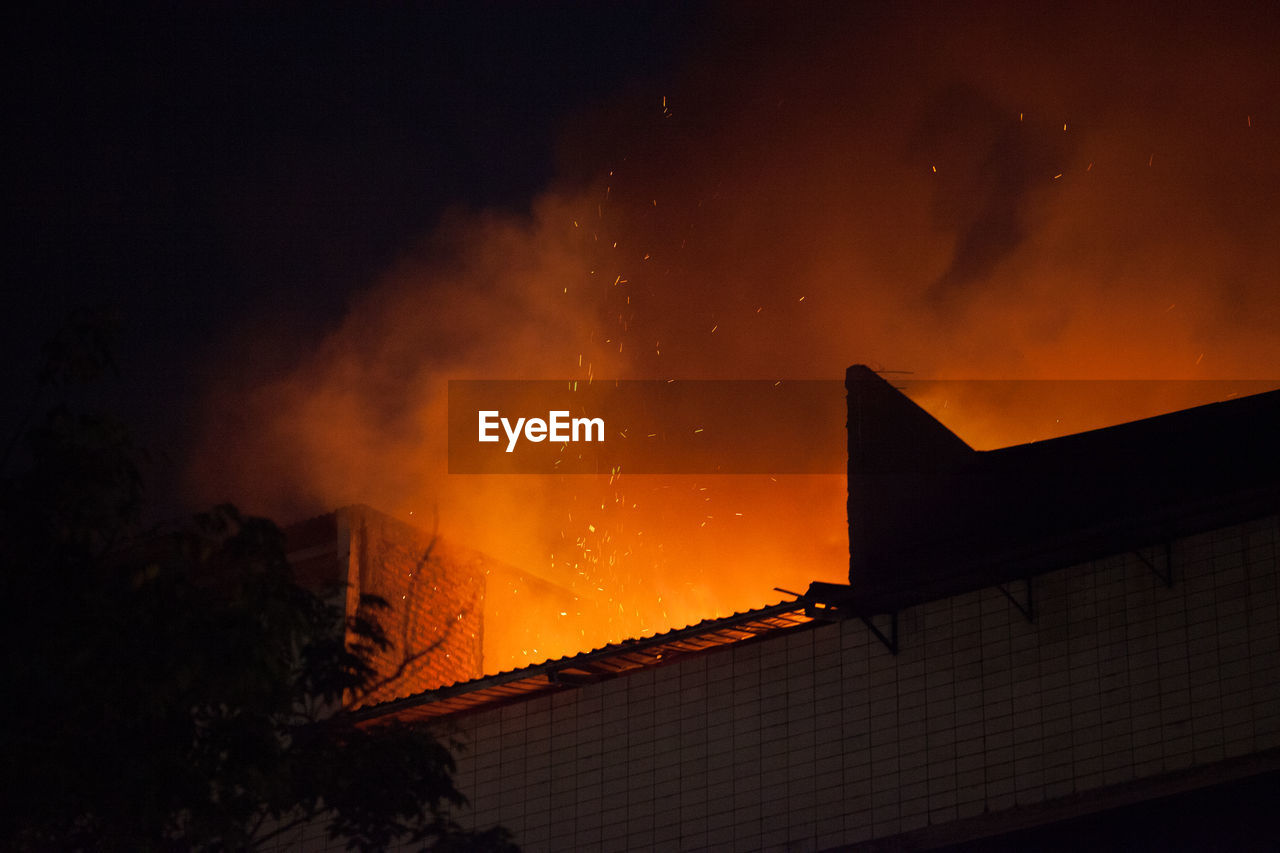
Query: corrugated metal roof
596, 665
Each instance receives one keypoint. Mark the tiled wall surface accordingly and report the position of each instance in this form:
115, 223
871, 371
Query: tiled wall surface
824, 738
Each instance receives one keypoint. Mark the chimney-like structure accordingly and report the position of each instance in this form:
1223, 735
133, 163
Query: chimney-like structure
902, 462
930, 516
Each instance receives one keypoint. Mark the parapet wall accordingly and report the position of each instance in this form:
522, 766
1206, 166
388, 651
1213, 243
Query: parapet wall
981, 722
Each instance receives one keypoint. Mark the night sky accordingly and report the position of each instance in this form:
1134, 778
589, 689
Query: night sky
216, 174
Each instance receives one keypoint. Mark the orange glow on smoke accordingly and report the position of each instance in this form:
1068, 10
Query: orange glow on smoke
649, 553
813, 212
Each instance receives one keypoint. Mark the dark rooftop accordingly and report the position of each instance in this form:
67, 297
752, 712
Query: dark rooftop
597, 665
929, 516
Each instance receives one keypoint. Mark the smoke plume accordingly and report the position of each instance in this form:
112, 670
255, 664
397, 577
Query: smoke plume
990, 193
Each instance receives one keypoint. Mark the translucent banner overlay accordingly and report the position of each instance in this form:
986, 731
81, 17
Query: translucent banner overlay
552, 427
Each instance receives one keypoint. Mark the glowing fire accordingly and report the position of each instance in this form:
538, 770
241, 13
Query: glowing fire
646, 553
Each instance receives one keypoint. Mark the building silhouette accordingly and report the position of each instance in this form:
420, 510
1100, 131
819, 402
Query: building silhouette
1057, 646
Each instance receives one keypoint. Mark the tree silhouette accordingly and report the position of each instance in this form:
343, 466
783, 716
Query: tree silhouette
172, 688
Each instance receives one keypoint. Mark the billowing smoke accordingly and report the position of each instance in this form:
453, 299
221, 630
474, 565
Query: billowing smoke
992, 193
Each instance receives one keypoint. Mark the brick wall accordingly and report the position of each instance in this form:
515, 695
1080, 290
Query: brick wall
439, 595
435, 593
436, 597
823, 738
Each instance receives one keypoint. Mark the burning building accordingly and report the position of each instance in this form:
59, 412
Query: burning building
1071, 642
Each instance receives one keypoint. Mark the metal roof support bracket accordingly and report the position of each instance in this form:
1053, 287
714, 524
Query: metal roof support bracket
574, 679
890, 641
1167, 574
1027, 606
819, 611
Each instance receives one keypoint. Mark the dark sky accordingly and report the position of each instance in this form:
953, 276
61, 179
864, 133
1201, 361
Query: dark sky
211, 171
